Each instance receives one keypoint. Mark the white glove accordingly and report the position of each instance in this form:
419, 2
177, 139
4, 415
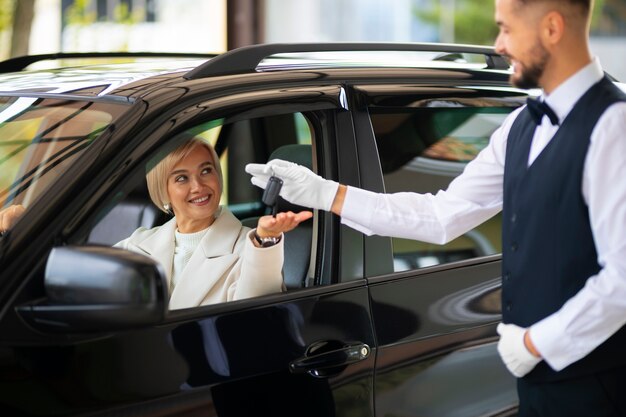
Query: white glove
300, 185
513, 351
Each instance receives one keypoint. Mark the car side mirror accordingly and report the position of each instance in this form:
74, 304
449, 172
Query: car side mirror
93, 288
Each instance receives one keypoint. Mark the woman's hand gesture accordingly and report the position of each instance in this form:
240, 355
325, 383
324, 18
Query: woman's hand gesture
269, 226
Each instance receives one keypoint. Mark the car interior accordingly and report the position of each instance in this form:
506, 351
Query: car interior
237, 143
422, 149
297, 241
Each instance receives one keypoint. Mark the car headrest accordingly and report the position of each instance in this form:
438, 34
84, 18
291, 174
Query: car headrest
299, 154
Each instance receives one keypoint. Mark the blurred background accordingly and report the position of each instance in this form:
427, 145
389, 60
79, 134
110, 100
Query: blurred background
46, 26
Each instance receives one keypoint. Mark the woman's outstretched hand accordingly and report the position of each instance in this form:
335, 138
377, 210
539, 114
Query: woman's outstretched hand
269, 226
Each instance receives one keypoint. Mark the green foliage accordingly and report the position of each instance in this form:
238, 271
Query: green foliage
609, 18
83, 12
121, 14
596, 16
80, 13
473, 20
6, 14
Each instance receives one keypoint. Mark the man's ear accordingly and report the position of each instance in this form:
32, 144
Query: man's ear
552, 28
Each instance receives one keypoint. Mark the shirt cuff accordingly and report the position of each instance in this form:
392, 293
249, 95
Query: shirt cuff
551, 343
358, 207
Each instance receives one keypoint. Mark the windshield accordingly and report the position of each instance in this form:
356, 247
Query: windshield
39, 139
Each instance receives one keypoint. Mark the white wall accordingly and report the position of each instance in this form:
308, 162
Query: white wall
45, 32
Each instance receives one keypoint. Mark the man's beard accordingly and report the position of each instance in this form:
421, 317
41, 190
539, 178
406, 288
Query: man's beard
530, 75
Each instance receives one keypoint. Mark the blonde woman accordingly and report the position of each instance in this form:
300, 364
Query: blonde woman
208, 255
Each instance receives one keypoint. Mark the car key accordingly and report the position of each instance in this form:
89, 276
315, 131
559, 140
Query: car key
270, 195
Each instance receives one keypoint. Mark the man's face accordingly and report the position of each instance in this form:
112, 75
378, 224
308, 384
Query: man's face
519, 40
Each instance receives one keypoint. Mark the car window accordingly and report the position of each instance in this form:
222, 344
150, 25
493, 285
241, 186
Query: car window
237, 143
40, 138
253, 140
422, 150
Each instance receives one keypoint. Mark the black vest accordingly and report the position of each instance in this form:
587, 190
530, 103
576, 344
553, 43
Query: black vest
548, 248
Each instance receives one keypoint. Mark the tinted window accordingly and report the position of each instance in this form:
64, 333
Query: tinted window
237, 143
422, 150
40, 138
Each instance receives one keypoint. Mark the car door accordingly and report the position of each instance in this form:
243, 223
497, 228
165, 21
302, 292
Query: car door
307, 351
435, 307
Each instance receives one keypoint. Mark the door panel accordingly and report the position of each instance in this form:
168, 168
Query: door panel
464, 382
248, 354
435, 323
437, 343
231, 359
231, 363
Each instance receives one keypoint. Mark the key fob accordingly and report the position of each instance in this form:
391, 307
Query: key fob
270, 195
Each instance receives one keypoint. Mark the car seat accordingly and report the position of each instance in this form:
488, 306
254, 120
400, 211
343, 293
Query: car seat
298, 241
136, 210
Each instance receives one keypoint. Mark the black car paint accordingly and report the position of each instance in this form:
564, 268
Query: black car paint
224, 351
154, 371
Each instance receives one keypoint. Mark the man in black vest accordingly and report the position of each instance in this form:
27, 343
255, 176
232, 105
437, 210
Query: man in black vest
563, 196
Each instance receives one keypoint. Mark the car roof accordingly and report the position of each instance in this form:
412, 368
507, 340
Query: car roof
96, 80
119, 80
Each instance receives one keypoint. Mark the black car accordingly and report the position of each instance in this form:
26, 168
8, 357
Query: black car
367, 326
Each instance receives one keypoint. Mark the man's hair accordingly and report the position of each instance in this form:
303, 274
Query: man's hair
585, 5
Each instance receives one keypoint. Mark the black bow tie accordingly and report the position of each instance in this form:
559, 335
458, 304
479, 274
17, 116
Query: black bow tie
538, 109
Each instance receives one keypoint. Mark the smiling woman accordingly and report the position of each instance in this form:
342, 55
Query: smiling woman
188, 182
207, 254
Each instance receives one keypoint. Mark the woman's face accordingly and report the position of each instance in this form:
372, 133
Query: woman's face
194, 190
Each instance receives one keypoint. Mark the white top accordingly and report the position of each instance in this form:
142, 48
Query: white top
599, 309
185, 245
225, 265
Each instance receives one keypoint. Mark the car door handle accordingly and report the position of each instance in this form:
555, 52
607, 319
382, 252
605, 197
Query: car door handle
330, 360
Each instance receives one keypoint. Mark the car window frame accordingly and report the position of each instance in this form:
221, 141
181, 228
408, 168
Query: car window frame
401, 96
327, 250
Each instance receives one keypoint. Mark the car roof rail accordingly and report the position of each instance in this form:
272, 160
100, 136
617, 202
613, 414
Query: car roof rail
21, 62
247, 58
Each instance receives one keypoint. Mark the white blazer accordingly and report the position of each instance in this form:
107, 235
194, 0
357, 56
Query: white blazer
225, 266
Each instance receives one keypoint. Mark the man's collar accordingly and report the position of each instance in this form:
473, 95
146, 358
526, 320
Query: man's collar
566, 95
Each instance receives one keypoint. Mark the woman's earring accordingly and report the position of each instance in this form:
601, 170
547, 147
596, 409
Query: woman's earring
168, 208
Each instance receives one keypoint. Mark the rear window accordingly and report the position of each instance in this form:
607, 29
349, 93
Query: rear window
40, 138
422, 149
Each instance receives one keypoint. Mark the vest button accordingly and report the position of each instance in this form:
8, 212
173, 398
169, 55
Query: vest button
506, 277
508, 307
514, 247
513, 218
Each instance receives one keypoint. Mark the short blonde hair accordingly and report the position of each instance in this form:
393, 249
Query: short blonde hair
157, 176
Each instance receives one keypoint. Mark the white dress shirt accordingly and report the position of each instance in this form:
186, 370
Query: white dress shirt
599, 309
